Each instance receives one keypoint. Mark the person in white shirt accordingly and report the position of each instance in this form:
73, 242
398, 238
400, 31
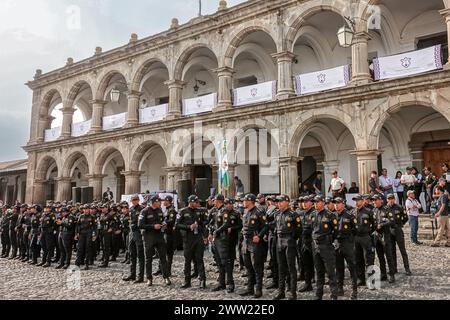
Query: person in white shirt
399, 188
386, 183
413, 207
337, 186
408, 180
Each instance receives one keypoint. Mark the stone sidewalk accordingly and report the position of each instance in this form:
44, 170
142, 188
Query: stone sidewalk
430, 280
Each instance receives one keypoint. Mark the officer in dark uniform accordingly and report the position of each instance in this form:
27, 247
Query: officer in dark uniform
26, 225
20, 231
364, 248
116, 232
35, 223
323, 234
6, 241
108, 225
367, 202
170, 217
262, 206
47, 235
382, 238
192, 224
288, 227
397, 237
13, 232
125, 228
223, 231
329, 204
213, 212
95, 245
239, 207
345, 247
272, 211
254, 229
136, 245
100, 224
151, 223
86, 234
67, 225
305, 246
57, 251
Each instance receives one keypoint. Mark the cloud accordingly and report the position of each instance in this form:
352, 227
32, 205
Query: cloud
42, 34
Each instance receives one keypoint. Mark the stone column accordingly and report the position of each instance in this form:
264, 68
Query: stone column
45, 122
64, 189
446, 14
66, 130
39, 192
133, 108
225, 76
186, 173
401, 163
174, 174
289, 176
175, 95
96, 181
328, 168
97, 115
367, 162
132, 181
285, 84
360, 57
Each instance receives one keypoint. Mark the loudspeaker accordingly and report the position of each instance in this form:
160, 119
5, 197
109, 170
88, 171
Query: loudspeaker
76, 195
87, 195
184, 191
202, 188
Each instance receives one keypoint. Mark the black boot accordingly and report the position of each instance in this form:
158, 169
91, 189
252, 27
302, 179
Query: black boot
391, 278
129, 278
306, 288
258, 293
340, 291
248, 292
220, 287
59, 266
280, 295
186, 285
203, 284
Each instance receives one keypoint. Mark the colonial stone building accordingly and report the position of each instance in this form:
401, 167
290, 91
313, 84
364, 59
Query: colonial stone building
356, 128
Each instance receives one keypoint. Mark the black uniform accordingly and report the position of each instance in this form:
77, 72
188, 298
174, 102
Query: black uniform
86, 230
136, 245
47, 236
13, 233
153, 240
66, 236
345, 249
19, 234
5, 239
323, 235
383, 241
225, 228
288, 227
273, 263
397, 237
364, 248
26, 224
193, 240
35, 246
254, 224
125, 227
169, 235
305, 247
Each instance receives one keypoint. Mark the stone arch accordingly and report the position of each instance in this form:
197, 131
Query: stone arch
75, 90
142, 71
104, 83
143, 151
72, 159
43, 167
52, 96
239, 36
264, 61
102, 158
185, 56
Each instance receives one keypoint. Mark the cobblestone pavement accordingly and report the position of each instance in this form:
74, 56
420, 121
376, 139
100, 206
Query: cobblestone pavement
430, 280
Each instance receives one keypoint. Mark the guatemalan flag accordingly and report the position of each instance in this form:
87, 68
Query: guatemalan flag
224, 175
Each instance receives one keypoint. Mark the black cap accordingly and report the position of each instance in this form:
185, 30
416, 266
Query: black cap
338, 200
210, 198
328, 199
193, 199
308, 199
377, 197
270, 198
390, 196
259, 196
283, 197
155, 199
319, 199
367, 197
301, 199
65, 209
358, 197
250, 197
228, 201
219, 197
135, 197
168, 198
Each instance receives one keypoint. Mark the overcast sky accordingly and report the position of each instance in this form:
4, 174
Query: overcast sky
42, 34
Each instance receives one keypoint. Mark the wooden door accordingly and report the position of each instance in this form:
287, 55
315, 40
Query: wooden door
435, 157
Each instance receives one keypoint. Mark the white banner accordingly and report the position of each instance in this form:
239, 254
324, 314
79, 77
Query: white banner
81, 128
253, 94
200, 104
52, 134
115, 121
322, 80
153, 114
408, 63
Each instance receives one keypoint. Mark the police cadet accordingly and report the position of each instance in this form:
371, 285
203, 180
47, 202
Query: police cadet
85, 233
170, 217
95, 245
397, 237
12, 231
67, 224
254, 229
329, 204
323, 235
151, 223
305, 242
345, 247
288, 228
6, 241
262, 206
272, 211
20, 230
26, 225
382, 238
239, 207
116, 232
108, 225
125, 228
223, 231
58, 215
213, 212
35, 222
47, 235
191, 223
136, 246
364, 248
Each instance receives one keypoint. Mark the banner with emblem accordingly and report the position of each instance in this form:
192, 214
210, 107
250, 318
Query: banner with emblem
322, 80
115, 121
81, 128
199, 104
253, 94
52, 134
409, 63
153, 114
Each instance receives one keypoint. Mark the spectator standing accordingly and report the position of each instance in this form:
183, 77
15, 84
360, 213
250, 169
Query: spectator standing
413, 209
337, 186
108, 195
446, 175
386, 183
408, 180
317, 183
418, 185
239, 187
429, 183
374, 187
353, 189
399, 188
442, 217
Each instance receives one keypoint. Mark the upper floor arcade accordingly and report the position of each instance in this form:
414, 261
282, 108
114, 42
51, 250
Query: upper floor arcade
248, 54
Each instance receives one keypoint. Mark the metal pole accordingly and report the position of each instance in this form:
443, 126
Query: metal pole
199, 8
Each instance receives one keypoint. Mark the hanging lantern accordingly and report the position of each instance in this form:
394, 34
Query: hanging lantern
115, 95
345, 36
